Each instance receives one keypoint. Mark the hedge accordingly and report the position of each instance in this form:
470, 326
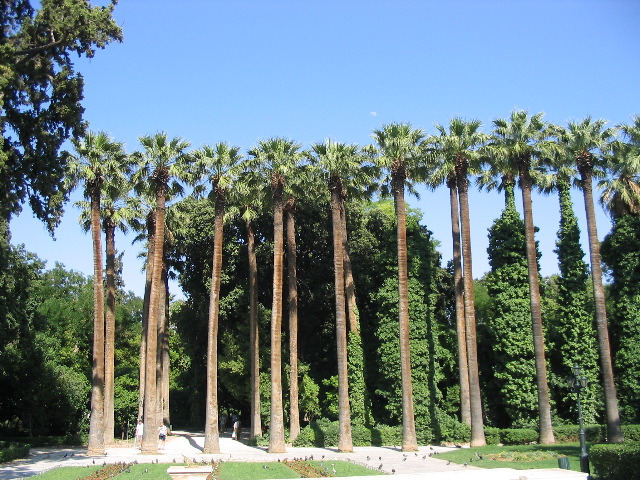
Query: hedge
615, 461
11, 450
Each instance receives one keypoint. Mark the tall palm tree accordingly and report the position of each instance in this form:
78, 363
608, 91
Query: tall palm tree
337, 161
587, 142
220, 165
516, 144
162, 164
399, 148
99, 159
276, 157
456, 151
249, 198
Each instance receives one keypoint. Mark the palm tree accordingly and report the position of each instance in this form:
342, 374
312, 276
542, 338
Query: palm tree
161, 164
338, 160
116, 214
99, 159
276, 157
456, 150
586, 142
220, 165
248, 197
399, 147
516, 144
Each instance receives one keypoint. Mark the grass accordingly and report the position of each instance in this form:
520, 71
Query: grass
228, 471
518, 457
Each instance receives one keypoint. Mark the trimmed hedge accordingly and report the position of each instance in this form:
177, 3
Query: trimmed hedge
324, 433
48, 441
615, 461
11, 450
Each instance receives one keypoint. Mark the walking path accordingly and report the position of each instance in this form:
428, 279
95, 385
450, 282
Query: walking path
187, 447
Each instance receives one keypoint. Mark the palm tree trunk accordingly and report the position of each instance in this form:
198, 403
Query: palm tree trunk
150, 437
409, 439
544, 406
352, 307
276, 427
163, 348
294, 415
166, 358
614, 431
110, 335
145, 311
477, 425
463, 361
211, 433
254, 344
96, 420
345, 443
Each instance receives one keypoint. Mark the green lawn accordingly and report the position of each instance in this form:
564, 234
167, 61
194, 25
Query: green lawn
519, 457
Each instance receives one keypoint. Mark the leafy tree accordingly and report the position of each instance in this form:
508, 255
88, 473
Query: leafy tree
512, 355
621, 253
40, 95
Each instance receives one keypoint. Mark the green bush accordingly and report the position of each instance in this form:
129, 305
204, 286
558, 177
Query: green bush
631, 433
615, 461
10, 451
49, 441
518, 436
492, 435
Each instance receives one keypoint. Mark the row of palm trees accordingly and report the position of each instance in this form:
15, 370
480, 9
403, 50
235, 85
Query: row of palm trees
277, 173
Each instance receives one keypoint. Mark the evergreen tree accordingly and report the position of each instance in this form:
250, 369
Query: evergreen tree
621, 253
508, 324
572, 330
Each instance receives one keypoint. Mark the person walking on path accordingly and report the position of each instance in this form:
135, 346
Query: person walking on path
236, 430
137, 441
162, 435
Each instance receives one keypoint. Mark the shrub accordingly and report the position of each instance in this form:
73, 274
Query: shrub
518, 436
631, 433
615, 461
10, 451
492, 435
49, 441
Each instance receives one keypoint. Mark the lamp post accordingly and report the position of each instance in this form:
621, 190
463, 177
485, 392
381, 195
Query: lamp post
577, 383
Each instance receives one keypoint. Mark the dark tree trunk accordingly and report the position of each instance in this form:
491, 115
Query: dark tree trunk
292, 283
256, 422
110, 334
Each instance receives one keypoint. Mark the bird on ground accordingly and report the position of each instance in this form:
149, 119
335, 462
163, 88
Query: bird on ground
368, 458
65, 455
393, 470
404, 459
465, 464
424, 457
380, 467
448, 462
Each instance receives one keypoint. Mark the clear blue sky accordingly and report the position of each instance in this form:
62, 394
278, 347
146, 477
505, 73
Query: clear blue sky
240, 71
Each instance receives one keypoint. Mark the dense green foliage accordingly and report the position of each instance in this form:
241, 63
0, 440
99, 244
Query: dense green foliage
46, 358
621, 253
40, 94
612, 462
510, 368
572, 335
